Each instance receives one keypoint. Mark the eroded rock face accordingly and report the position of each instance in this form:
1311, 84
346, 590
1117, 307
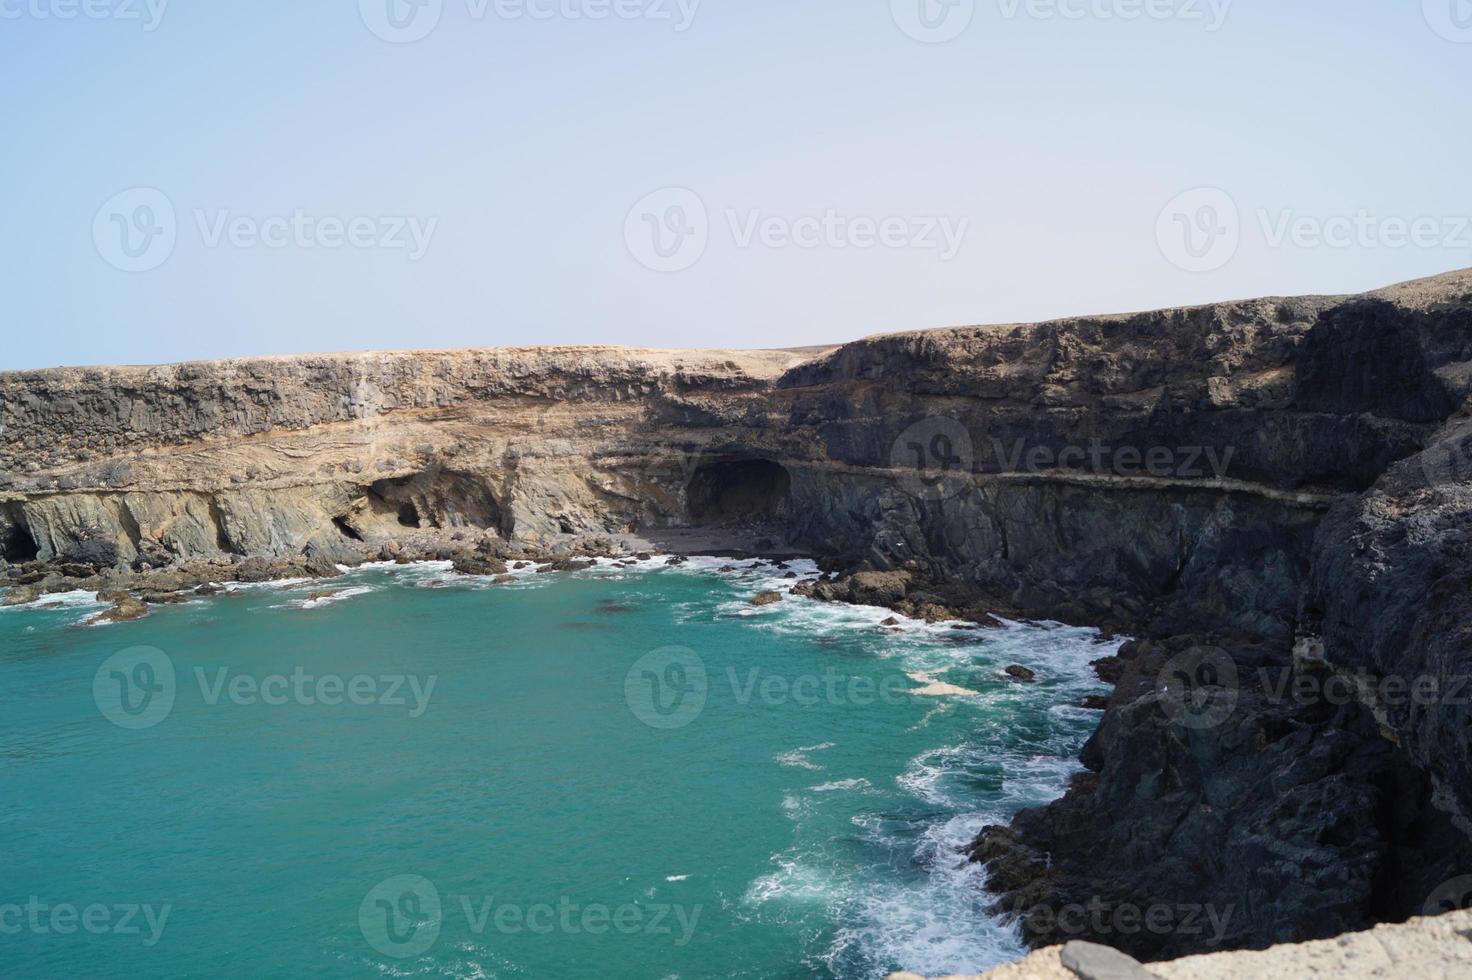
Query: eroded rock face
1247, 818
1239, 474
1393, 581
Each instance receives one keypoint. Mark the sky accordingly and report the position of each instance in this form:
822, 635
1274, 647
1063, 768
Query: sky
198, 179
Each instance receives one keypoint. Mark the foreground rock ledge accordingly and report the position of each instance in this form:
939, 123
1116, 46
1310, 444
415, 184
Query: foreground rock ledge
1430, 948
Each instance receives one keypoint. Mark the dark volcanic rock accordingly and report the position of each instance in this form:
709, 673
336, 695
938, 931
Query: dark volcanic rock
1194, 788
93, 554
1392, 584
479, 565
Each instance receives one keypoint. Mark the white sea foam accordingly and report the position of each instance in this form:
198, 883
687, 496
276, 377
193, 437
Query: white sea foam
798, 758
327, 598
794, 882
842, 785
77, 599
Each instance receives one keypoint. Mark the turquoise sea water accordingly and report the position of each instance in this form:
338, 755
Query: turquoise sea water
616, 773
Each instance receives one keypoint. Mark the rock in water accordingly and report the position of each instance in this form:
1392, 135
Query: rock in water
477, 565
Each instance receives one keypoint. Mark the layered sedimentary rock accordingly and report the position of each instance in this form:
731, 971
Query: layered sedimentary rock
1234, 479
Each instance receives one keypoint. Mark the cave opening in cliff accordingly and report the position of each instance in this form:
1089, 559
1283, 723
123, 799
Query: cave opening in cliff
739, 491
438, 499
16, 543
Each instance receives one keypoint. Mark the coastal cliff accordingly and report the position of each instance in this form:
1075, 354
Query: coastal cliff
1229, 484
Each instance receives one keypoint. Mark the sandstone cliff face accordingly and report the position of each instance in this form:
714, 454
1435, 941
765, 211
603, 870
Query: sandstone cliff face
1239, 473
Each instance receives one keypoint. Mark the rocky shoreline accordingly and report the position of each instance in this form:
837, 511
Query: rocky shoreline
1271, 496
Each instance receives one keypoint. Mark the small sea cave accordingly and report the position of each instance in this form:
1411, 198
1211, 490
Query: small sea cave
438, 499
16, 543
740, 491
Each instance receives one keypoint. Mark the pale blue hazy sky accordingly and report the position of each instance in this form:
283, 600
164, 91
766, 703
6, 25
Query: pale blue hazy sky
520, 144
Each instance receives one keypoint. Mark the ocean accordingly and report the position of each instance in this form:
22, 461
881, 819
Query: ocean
623, 772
